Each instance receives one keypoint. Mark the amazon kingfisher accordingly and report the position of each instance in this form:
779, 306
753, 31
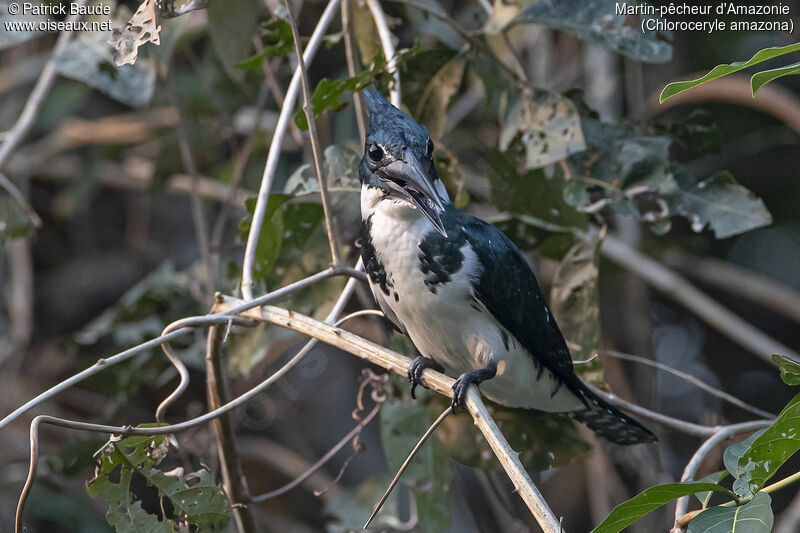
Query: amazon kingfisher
460, 289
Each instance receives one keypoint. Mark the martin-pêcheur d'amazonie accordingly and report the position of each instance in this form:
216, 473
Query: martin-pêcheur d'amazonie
460, 289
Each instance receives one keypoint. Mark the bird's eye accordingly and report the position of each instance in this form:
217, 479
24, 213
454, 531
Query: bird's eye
429, 148
375, 153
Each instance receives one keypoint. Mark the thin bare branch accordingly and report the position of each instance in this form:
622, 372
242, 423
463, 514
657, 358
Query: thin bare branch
18, 197
344, 297
733, 400
22, 126
287, 110
696, 301
405, 464
351, 54
206, 320
740, 281
233, 478
269, 77
697, 430
183, 373
308, 109
321, 462
385, 36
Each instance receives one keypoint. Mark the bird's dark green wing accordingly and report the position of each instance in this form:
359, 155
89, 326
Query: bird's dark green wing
507, 287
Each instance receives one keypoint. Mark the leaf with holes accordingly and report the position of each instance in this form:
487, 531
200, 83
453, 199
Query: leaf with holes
548, 125
89, 59
196, 499
765, 455
143, 27
649, 500
718, 202
754, 516
600, 22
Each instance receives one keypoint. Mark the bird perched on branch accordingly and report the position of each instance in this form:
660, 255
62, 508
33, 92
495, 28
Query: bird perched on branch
460, 289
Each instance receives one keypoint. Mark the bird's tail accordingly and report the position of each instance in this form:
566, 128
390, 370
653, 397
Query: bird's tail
611, 423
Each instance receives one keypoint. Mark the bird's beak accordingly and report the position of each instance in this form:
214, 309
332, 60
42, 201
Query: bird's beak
409, 179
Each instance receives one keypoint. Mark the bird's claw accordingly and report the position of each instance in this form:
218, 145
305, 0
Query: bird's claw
460, 389
415, 370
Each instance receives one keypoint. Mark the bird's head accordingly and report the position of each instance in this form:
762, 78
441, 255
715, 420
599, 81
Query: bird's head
398, 158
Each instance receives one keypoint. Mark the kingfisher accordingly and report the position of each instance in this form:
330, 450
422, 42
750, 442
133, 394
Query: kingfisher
460, 289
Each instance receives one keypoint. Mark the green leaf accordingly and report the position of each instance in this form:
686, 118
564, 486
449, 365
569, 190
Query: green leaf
89, 59
14, 222
548, 125
723, 70
760, 79
765, 455
597, 22
574, 298
754, 516
715, 478
733, 452
271, 236
430, 473
721, 203
328, 94
278, 42
649, 500
790, 369
231, 26
195, 498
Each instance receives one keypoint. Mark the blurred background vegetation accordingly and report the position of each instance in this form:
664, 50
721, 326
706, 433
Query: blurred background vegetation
546, 121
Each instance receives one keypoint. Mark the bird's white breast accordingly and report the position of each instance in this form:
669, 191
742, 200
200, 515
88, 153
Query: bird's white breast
450, 325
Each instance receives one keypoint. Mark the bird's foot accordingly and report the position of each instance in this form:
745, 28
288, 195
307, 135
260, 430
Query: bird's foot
461, 386
415, 369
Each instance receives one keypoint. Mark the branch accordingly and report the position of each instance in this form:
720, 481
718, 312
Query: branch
224, 317
233, 479
435, 381
123, 431
271, 165
691, 379
37, 97
308, 108
741, 281
378, 396
676, 424
351, 55
389, 53
404, 466
678, 288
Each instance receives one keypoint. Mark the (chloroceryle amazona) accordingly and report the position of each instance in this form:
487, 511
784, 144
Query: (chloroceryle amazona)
460, 289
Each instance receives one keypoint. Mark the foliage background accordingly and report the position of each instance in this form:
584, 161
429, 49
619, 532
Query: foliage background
117, 258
